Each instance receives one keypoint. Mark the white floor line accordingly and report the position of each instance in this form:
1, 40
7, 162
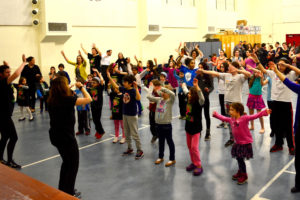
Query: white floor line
55, 156
84, 147
263, 189
290, 172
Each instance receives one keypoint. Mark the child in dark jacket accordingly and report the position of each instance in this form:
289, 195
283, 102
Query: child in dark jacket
43, 93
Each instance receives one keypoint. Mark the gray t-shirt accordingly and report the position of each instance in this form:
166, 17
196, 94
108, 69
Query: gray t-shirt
163, 112
233, 86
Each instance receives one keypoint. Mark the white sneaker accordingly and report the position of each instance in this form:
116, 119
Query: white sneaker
115, 140
122, 141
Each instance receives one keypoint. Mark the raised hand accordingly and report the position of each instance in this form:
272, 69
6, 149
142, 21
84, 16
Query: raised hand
23, 58
94, 45
62, 53
134, 85
95, 70
78, 84
5, 63
214, 113
195, 82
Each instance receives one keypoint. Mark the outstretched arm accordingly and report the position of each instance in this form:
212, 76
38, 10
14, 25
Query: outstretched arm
259, 65
200, 94
138, 95
64, 55
17, 73
84, 51
221, 117
265, 112
213, 73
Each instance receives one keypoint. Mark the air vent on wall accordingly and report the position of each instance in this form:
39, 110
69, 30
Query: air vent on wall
57, 27
154, 28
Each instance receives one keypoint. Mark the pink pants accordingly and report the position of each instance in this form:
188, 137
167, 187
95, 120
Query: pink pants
117, 125
193, 145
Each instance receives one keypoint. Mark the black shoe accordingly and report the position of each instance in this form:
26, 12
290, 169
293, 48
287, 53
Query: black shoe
77, 194
272, 134
295, 190
128, 152
207, 136
229, 143
12, 164
3, 162
154, 138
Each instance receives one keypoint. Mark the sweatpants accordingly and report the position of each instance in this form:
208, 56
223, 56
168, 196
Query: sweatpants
119, 123
227, 107
165, 133
27, 110
131, 130
283, 123
222, 104
152, 123
8, 134
83, 122
242, 165
193, 145
182, 104
96, 113
69, 167
206, 111
270, 106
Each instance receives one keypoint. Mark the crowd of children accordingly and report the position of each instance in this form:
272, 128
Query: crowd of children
193, 76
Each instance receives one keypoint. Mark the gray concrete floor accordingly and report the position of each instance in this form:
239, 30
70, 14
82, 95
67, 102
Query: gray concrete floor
105, 174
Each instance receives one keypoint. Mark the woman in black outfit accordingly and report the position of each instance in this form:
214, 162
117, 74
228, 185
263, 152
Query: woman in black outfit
61, 104
7, 126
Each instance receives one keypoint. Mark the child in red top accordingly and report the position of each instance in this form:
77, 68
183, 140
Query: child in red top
242, 147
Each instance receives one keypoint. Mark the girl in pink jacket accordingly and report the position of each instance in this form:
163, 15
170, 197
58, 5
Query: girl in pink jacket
242, 147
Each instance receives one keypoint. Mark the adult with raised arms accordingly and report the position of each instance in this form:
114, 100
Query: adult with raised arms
7, 126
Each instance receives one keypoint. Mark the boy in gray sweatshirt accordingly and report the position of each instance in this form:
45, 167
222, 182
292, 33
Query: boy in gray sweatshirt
163, 119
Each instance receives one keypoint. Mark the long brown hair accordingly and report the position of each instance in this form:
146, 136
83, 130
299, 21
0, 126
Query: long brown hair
194, 95
59, 89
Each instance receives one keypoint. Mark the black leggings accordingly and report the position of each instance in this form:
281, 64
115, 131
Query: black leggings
242, 165
283, 122
32, 98
206, 111
152, 124
69, 167
8, 133
182, 104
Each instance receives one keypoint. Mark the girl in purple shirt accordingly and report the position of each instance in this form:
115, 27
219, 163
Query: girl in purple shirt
242, 147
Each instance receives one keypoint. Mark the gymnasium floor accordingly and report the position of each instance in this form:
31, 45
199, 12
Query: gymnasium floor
105, 174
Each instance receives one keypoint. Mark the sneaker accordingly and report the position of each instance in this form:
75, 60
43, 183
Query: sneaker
158, 161
77, 194
276, 148
191, 167
242, 179
198, 171
3, 162
139, 154
292, 151
229, 143
116, 139
122, 141
225, 126
236, 176
98, 135
153, 140
22, 119
295, 190
78, 133
128, 152
221, 125
207, 136
170, 163
31, 119
87, 133
12, 164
